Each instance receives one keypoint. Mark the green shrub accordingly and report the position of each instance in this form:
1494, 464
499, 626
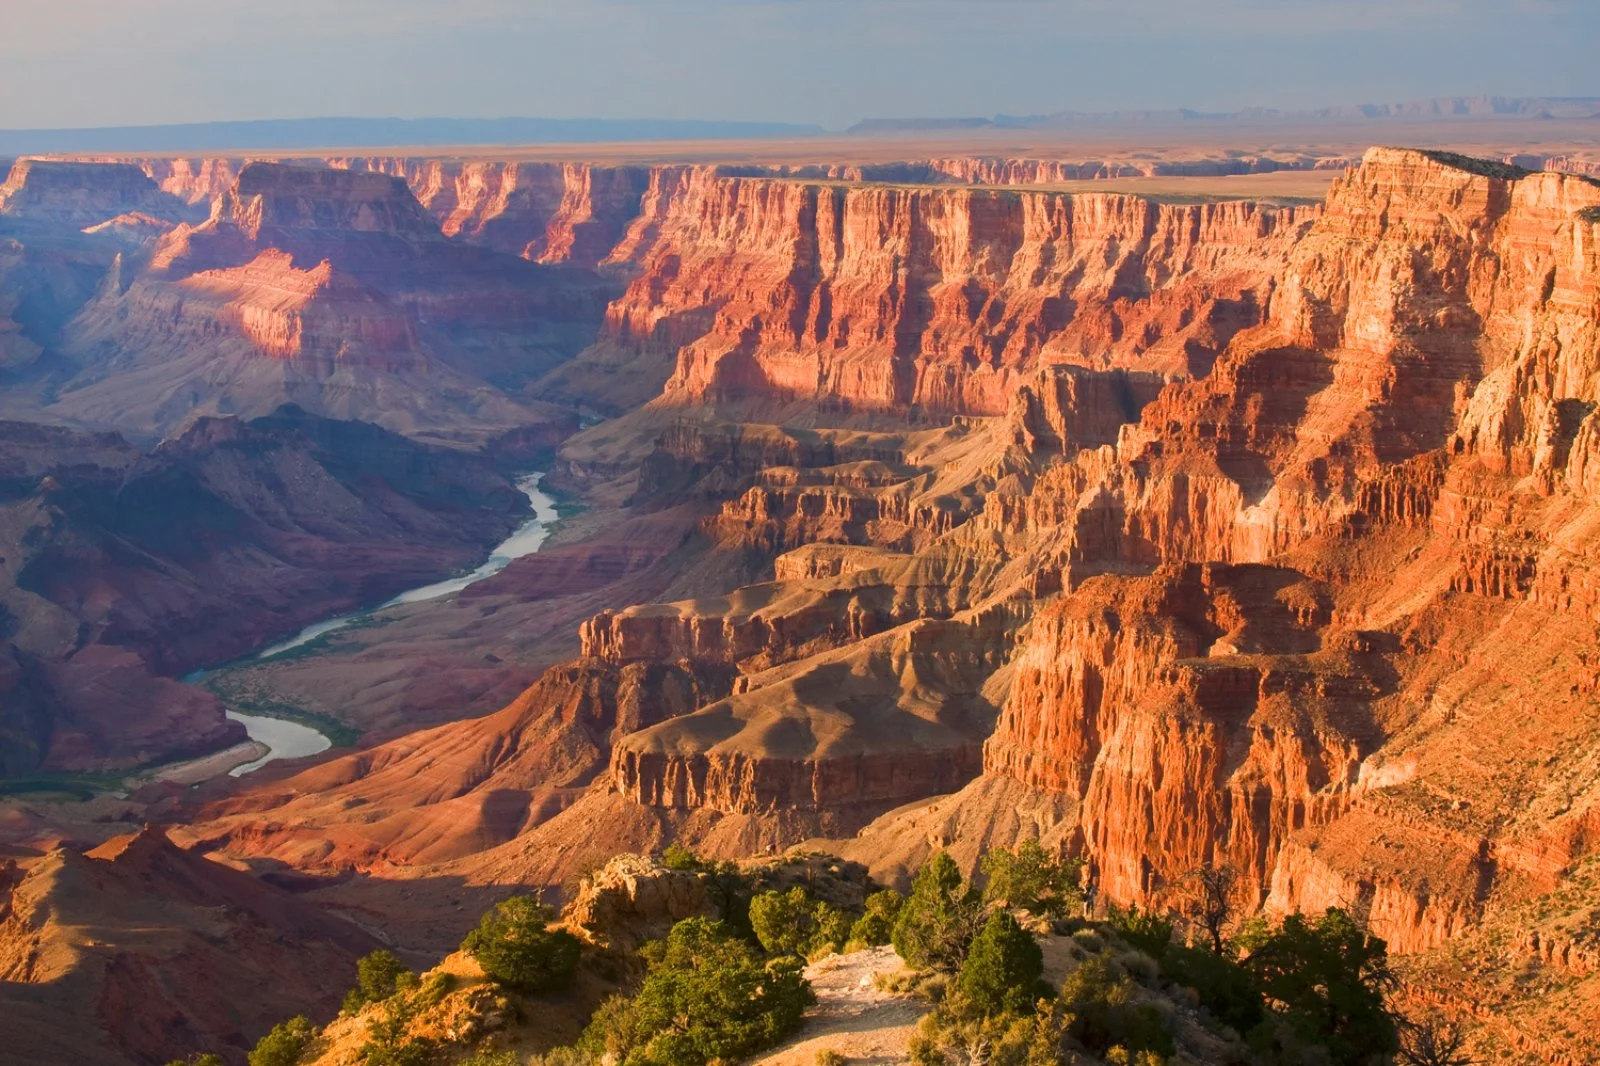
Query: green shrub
1105, 1015
829, 1057
1226, 988
378, 976
939, 919
876, 924
1002, 971
285, 1045
1146, 931
205, 1058
1121, 1056
706, 995
792, 923
730, 892
1029, 878
923, 1050
959, 1027
832, 930
678, 857
1326, 977
389, 1042
783, 922
516, 947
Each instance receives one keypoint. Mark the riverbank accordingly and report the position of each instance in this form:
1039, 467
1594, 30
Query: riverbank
194, 771
290, 732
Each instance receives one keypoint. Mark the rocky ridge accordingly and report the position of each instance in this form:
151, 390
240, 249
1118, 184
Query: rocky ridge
126, 951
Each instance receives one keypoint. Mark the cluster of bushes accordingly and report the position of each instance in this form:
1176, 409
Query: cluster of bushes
793, 923
722, 990
1307, 991
1310, 990
707, 994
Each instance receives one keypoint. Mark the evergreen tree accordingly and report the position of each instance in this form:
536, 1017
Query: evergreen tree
784, 922
516, 947
1003, 969
940, 917
378, 976
285, 1045
1327, 978
876, 924
1029, 878
706, 995
831, 930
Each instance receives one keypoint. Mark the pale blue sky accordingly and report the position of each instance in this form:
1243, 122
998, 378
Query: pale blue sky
115, 62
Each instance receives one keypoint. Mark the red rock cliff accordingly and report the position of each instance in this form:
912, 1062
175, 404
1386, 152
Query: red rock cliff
1411, 424
936, 299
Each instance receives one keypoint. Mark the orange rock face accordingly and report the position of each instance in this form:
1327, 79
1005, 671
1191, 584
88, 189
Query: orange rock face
1396, 431
880, 298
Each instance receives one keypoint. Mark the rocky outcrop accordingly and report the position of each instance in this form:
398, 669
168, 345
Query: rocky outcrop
719, 459
778, 518
633, 899
139, 951
81, 195
759, 625
842, 732
1200, 716
1066, 409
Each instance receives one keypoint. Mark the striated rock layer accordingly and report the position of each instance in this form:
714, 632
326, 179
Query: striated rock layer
941, 301
334, 290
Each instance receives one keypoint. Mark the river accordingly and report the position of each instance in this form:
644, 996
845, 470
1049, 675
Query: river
291, 740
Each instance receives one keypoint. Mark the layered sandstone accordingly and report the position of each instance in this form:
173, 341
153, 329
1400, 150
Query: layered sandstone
885, 298
1418, 375
80, 195
334, 290
851, 732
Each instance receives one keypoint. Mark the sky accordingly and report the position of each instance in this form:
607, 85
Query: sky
67, 63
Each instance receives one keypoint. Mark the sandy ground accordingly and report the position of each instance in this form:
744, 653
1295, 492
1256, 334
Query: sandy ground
851, 1016
193, 771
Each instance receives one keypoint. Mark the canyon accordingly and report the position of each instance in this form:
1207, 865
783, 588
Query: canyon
907, 506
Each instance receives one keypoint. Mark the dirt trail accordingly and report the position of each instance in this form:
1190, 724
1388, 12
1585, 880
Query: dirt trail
851, 1016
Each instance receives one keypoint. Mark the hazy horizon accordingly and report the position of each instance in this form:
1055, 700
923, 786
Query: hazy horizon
828, 63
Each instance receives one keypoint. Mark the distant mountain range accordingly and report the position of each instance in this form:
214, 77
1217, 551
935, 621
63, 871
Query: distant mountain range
299, 133
1450, 107
347, 133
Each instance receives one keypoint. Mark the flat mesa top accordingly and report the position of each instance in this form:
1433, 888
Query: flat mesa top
1488, 137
